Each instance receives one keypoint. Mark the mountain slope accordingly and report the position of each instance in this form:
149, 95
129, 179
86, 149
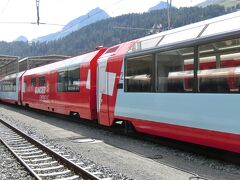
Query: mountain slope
76, 24
21, 38
106, 33
161, 5
225, 3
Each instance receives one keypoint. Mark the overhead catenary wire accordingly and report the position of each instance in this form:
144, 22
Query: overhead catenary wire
4, 8
55, 24
42, 23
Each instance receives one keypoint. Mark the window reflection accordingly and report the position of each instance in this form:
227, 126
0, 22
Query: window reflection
174, 72
69, 80
219, 72
139, 74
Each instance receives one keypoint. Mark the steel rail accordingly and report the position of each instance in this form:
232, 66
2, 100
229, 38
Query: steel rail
68, 163
20, 160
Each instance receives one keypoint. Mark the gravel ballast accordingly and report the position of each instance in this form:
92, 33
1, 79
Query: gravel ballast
10, 168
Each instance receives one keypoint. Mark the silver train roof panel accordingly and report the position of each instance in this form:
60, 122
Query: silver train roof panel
214, 26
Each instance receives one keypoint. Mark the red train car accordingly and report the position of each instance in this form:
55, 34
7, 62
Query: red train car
65, 87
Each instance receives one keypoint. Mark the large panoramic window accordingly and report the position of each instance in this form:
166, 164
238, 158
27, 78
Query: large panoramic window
214, 69
69, 80
175, 70
219, 67
139, 75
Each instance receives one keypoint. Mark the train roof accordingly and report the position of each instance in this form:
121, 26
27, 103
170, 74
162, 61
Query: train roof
210, 27
67, 63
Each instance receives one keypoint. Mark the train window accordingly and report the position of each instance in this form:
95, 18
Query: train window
230, 24
219, 67
42, 81
33, 81
69, 80
145, 44
8, 85
139, 74
14, 85
113, 49
73, 80
24, 86
62, 81
182, 35
175, 70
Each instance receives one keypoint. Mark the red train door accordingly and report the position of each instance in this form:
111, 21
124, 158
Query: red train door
21, 87
102, 97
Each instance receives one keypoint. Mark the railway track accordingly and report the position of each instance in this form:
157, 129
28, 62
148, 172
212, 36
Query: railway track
44, 161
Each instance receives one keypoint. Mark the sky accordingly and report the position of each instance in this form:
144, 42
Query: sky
13, 13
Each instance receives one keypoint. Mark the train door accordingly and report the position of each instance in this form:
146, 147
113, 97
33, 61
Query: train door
102, 98
21, 87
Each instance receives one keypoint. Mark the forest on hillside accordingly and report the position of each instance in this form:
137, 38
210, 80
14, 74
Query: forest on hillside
106, 34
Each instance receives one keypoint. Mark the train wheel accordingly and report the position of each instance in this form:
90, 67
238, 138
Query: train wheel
127, 127
74, 115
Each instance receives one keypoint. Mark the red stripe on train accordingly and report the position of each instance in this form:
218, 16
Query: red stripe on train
216, 139
9, 101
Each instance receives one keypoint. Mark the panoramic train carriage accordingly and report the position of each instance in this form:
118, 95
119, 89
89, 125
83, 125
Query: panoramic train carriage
10, 88
181, 84
65, 87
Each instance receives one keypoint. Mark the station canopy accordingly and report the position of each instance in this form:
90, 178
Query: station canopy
8, 65
225, 23
5, 59
11, 64
36, 61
